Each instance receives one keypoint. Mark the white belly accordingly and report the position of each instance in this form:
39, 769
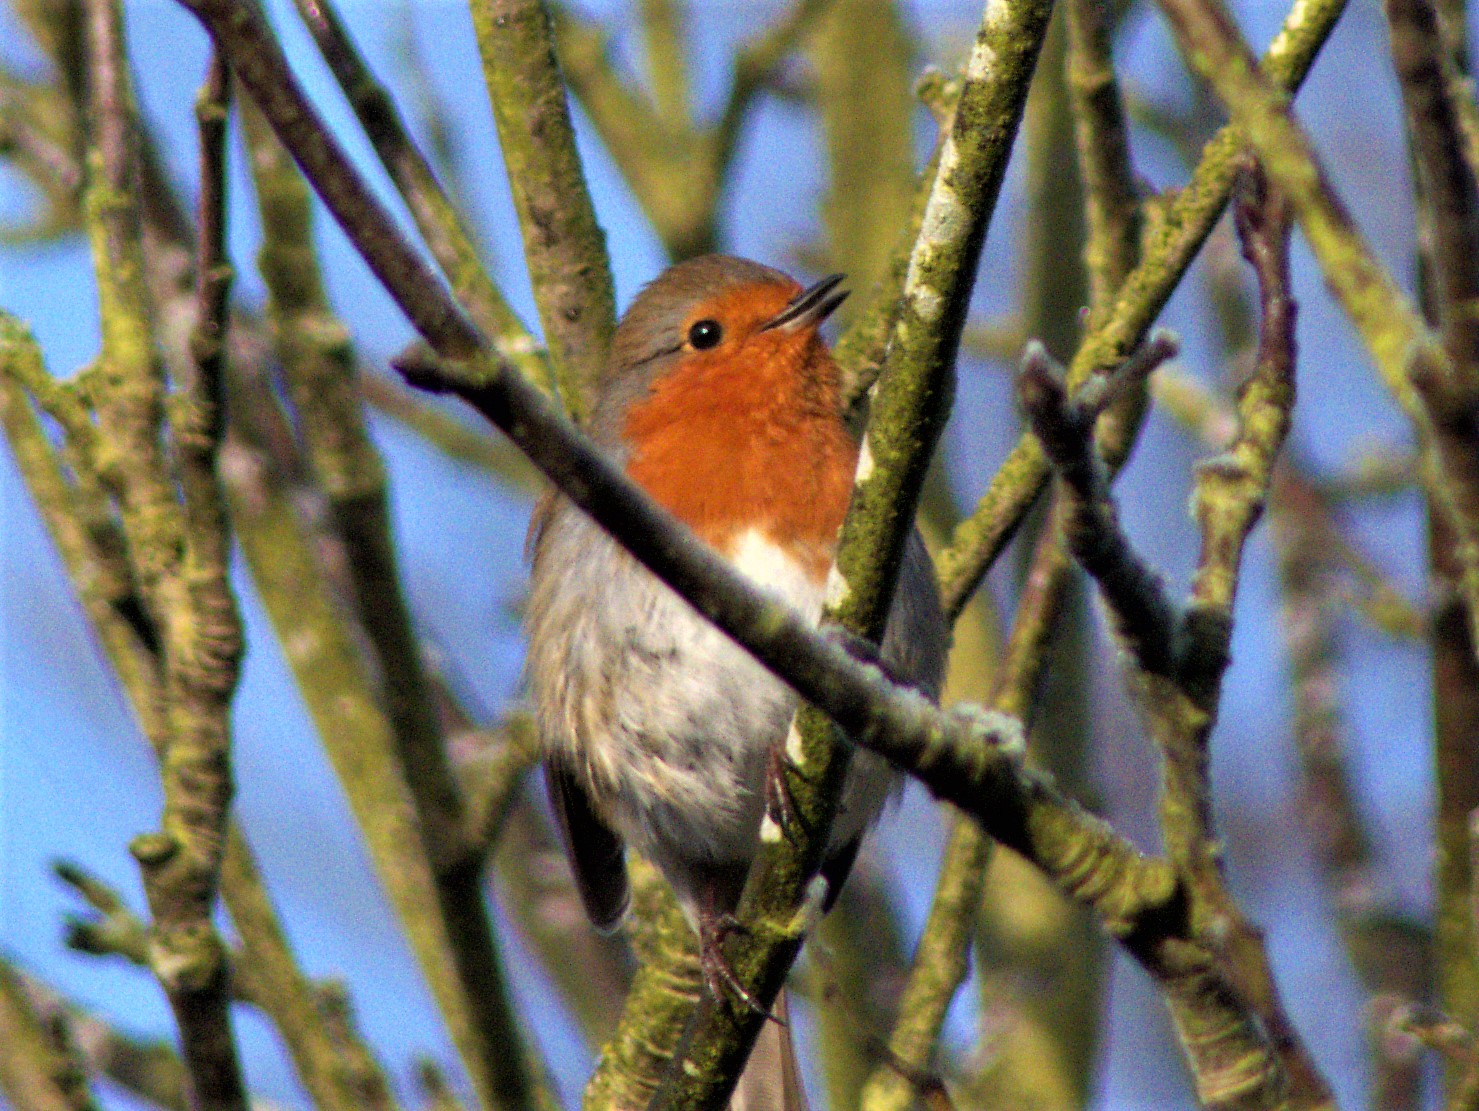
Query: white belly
671, 720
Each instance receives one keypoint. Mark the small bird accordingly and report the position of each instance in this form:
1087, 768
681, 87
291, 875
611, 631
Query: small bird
723, 403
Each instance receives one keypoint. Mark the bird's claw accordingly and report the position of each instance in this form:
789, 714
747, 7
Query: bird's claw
719, 978
778, 801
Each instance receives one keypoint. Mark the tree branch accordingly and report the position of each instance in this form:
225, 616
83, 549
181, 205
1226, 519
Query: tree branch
564, 246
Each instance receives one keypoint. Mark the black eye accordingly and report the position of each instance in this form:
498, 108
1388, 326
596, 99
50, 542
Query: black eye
705, 334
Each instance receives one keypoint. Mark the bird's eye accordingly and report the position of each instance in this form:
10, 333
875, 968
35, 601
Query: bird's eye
705, 334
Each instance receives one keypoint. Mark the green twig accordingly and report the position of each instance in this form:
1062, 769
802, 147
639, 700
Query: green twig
1437, 394
149, 1069
1428, 70
179, 556
314, 349
970, 759
35, 1074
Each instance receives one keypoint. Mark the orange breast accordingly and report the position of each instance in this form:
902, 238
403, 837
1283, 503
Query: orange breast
760, 446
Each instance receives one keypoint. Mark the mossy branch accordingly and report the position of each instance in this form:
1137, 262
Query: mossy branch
35, 1074
1437, 394
1428, 70
93, 1049
970, 759
910, 405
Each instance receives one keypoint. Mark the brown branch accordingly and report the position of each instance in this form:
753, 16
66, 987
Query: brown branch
195, 614
1242, 1047
963, 757
1448, 236
256, 59
317, 359
1065, 428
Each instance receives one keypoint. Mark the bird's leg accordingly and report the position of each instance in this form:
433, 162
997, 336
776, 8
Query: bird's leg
780, 807
714, 928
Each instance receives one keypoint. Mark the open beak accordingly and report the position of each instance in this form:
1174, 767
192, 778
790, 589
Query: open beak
809, 307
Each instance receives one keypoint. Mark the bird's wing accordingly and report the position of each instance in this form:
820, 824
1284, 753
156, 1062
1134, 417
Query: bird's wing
596, 853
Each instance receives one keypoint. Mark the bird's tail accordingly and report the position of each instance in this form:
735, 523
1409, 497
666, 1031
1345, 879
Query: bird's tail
772, 1077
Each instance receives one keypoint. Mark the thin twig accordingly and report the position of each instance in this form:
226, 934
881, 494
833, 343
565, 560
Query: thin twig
440, 224
1438, 394
1064, 426
1448, 236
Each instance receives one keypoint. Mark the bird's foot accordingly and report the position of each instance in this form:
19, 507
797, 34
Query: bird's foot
719, 978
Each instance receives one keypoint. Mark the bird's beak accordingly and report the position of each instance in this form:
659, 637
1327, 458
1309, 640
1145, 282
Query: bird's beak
809, 307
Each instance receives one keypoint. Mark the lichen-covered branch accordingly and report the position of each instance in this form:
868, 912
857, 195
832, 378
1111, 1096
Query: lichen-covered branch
106, 595
258, 63
1448, 237
148, 1069
1438, 393
910, 405
315, 352
358, 738
1064, 426
667, 985
178, 553
564, 246
938, 969
1243, 1050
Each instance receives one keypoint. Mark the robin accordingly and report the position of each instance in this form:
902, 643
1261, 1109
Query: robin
723, 403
